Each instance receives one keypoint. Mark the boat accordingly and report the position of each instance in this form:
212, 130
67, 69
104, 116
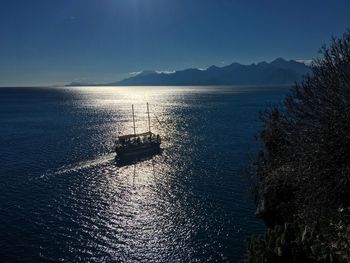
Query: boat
136, 146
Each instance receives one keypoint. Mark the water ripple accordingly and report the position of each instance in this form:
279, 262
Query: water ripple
65, 199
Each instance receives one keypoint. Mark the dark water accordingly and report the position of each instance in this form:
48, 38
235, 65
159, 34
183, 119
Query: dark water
62, 197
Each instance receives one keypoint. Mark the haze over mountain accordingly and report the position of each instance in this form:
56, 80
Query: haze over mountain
277, 72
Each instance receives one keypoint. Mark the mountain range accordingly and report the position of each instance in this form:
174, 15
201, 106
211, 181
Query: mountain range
277, 72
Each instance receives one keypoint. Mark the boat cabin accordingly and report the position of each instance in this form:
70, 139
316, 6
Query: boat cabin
135, 140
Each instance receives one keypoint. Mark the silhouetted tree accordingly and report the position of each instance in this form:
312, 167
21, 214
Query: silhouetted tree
303, 169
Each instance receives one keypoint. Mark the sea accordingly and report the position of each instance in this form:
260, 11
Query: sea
65, 198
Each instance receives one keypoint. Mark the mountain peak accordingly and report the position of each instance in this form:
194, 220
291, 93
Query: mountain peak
279, 60
213, 67
235, 64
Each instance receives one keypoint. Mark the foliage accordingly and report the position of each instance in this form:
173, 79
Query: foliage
303, 169
292, 243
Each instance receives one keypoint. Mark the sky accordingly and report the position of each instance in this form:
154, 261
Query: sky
54, 42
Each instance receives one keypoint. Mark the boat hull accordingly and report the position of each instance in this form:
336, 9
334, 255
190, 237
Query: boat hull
137, 152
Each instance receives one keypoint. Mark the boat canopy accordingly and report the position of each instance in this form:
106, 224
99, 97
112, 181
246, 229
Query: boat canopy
129, 136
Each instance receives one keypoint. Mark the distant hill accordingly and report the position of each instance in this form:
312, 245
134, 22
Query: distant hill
277, 72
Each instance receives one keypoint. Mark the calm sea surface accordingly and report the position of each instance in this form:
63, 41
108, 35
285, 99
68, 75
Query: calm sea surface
63, 198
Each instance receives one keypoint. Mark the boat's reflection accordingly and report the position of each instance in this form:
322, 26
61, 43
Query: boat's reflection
120, 162
138, 163
135, 171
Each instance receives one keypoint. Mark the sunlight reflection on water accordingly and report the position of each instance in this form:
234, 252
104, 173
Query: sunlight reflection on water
187, 204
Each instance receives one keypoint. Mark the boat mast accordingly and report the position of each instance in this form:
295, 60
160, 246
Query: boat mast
133, 118
149, 119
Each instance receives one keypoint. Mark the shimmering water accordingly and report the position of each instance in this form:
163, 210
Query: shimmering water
62, 197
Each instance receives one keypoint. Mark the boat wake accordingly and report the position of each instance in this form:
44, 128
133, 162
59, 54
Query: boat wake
79, 166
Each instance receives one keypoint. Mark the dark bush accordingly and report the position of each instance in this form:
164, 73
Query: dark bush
303, 169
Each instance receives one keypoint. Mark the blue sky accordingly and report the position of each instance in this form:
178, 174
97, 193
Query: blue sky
46, 42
